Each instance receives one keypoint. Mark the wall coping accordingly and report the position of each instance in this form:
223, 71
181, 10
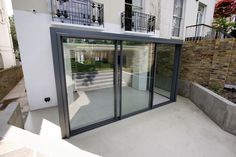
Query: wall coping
214, 94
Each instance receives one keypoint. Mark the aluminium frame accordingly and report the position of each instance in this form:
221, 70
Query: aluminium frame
59, 70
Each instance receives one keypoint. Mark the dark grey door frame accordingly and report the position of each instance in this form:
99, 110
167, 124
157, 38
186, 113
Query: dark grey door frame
175, 76
59, 70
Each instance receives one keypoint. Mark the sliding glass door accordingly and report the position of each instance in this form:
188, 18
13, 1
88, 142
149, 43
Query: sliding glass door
102, 77
89, 71
163, 73
92, 71
137, 59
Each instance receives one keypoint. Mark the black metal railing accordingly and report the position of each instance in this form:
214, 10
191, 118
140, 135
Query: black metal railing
138, 22
203, 31
82, 12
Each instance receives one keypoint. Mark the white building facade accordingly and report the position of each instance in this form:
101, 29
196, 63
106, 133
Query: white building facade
7, 56
34, 18
100, 61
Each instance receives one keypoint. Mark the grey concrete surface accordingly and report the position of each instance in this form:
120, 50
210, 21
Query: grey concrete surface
219, 109
184, 88
5, 115
11, 115
179, 129
16, 118
19, 94
98, 105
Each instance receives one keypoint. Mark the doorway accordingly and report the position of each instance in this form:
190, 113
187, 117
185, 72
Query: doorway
99, 89
102, 77
89, 71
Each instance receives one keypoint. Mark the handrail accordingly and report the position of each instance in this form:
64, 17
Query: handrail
222, 31
204, 31
199, 25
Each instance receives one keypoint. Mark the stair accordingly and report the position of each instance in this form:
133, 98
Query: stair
93, 80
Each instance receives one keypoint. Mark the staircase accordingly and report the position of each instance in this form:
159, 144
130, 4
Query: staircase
89, 81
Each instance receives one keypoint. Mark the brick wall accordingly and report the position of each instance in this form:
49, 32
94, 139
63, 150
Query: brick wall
9, 78
209, 62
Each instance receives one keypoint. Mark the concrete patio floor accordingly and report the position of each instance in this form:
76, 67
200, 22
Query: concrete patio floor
176, 130
19, 94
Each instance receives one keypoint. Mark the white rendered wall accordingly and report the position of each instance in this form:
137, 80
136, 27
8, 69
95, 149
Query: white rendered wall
190, 8
6, 47
166, 18
36, 54
35, 45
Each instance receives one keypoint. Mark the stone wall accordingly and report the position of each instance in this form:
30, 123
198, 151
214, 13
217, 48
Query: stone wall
209, 62
9, 78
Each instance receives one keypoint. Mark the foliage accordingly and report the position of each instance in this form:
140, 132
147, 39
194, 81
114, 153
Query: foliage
224, 16
13, 33
89, 66
215, 88
225, 8
222, 23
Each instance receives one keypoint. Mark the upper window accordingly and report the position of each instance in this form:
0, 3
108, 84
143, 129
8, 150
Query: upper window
137, 5
177, 17
200, 14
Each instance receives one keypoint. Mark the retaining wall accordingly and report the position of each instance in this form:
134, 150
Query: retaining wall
219, 109
209, 62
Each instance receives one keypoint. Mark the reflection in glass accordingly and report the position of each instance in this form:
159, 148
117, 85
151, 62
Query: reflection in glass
163, 72
136, 75
89, 79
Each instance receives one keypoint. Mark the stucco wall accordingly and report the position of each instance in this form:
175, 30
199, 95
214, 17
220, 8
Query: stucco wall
112, 11
35, 44
6, 48
36, 55
190, 13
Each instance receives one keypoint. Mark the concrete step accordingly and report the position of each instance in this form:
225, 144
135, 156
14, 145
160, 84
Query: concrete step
91, 82
87, 79
91, 75
96, 86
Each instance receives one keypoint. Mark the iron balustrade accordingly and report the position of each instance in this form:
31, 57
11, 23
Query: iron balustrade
138, 22
203, 31
82, 12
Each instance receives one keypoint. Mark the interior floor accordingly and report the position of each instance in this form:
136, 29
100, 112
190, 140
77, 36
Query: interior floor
98, 105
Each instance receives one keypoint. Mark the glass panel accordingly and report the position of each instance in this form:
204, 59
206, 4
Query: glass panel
137, 60
163, 73
89, 79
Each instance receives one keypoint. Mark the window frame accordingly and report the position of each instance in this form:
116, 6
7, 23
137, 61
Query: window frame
175, 16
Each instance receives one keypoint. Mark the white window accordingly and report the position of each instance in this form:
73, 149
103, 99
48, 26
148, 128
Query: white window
137, 5
177, 17
200, 14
